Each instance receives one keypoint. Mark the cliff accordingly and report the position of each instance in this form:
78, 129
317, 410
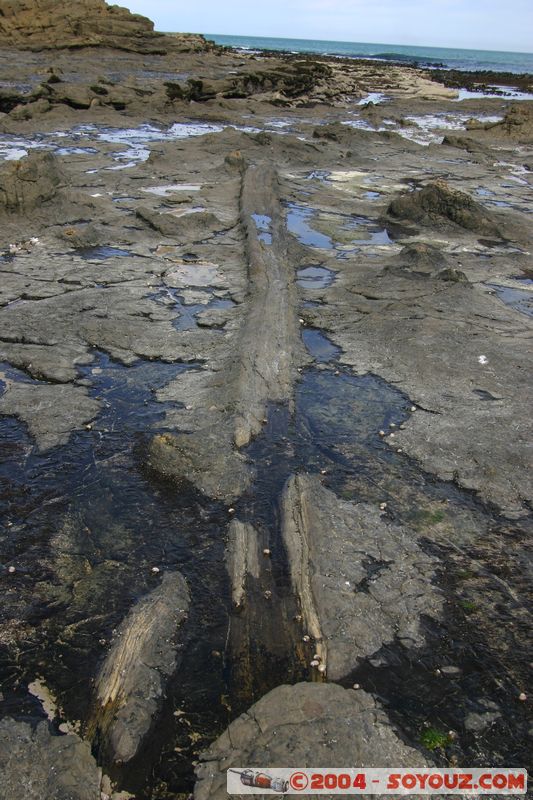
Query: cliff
46, 25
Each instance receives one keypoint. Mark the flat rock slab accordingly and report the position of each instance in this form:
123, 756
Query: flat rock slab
361, 581
309, 724
35, 765
51, 412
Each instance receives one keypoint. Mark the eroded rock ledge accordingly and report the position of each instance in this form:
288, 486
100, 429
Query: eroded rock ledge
360, 580
226, 408
132, 679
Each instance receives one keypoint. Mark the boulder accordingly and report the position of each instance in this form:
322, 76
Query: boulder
418, 260
517, 123
30, 182
437, 204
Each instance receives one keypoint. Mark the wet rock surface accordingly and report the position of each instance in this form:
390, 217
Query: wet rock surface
46, 765
306, 724
140, 661
360, 581
222, 358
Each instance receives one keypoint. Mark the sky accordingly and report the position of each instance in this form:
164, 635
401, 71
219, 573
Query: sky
477, 24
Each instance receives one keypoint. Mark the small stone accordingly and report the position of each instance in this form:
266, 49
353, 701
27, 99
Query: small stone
356, 686
323, 472
382, 433
392, 425
399, 450
11, 570
391, 436
301, 321
412, 409
450, 670
522, 696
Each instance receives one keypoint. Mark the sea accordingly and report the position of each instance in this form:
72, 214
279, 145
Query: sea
436, 57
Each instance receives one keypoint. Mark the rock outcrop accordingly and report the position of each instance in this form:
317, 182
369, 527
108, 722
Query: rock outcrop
360, 580
437, 204
45, 25
30, 182
305, 725
133, 676
517, 123
224, 410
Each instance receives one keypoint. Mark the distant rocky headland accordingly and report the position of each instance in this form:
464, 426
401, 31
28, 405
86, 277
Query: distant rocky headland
47, 25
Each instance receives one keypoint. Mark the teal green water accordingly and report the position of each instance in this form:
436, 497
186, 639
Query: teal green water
452, 58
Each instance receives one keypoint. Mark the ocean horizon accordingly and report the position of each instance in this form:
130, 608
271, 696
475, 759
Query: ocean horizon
447, 57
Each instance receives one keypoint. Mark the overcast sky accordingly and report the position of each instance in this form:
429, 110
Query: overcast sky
479, 24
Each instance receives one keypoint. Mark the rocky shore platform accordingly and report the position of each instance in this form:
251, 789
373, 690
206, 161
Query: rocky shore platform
265, 412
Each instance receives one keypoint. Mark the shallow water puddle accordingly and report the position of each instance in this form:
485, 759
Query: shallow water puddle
319, 346
89, 532
298, 219
263, 223
499, 93
322, 175
519, 298
374, 98
184, 212
102, 252
190, 304
425, 128
135, 140
163, 191
333, 231
315, 277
